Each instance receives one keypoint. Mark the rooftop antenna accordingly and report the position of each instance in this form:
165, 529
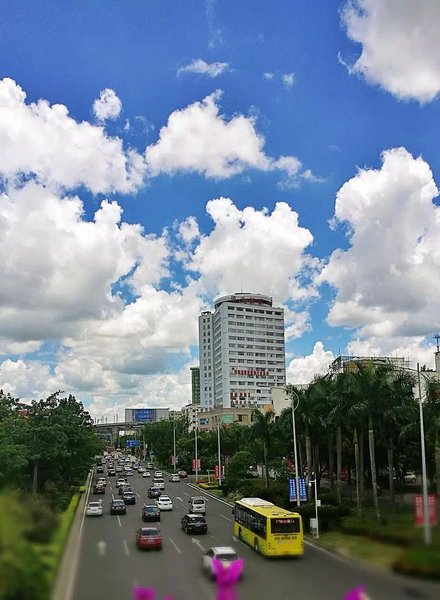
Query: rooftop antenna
437, 339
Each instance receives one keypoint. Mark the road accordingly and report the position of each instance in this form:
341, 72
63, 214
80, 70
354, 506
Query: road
110, 565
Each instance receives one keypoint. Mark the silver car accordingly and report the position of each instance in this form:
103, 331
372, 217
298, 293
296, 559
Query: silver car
94, 509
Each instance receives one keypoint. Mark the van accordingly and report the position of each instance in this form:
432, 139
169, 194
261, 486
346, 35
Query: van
158, 482
197, 505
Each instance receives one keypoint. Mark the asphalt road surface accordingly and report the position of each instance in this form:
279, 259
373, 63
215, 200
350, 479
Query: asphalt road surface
110, 565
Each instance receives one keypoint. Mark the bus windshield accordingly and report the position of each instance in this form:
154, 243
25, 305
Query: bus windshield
291, 525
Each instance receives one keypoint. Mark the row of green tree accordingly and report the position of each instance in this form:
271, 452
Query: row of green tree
362, 425
46, 450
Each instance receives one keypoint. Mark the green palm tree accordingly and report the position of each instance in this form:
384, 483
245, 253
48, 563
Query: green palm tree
262, 430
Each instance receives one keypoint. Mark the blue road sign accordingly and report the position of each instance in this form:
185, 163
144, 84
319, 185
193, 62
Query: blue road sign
302, 489
133, 443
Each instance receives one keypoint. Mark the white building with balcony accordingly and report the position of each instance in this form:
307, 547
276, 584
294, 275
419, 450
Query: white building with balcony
241, 351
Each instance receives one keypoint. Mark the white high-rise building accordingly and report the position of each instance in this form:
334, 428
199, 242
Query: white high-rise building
242, 351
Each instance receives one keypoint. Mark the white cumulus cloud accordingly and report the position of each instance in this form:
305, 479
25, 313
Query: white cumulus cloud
43, 141
288, 80
303, 370
387, 282
198, 138
107, 106
400, 45
201, 67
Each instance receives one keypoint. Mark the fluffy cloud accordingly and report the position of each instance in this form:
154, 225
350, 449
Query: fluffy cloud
44, 141
198, 138
201, 67
387, 281
268, 76
288, 80
254, 250
58, 269
107, 106
303, 370
400, 45
27, 380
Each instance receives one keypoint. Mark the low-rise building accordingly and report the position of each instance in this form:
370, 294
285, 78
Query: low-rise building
209, 420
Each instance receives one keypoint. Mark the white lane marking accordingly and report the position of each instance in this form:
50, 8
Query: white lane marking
113, 496
127, 551
101, 547
119, 520
214, 536
227, 518
179, 498
137, 495
175, 546
198, 543
186, 493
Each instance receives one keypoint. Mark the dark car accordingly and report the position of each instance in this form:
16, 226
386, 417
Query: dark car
154, 492
148, 537
99, 489
117, 507
194, 524
183, 474
129, 497
100, 469
150, 512
125, 488
111, 473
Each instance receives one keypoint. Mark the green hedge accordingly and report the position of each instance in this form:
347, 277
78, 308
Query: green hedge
420, 561
380, 531
330, 517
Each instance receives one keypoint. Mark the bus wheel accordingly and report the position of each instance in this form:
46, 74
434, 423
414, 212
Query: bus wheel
256, 545
239, 533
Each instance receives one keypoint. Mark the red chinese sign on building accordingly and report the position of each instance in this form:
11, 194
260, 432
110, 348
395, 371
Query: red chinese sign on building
419, 512
251, 372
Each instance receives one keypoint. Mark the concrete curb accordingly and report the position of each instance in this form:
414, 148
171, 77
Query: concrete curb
64, 579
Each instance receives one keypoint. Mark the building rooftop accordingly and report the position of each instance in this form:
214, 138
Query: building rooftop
244, 298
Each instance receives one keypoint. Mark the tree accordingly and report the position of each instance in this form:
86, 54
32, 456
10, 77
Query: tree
262, 430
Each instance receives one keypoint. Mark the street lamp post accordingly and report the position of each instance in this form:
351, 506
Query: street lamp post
317, 503
219, 455
174, 441
426, 524
196, 450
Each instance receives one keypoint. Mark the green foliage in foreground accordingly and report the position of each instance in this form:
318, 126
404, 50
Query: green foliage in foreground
420, 561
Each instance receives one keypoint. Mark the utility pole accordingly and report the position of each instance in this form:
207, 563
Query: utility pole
174, 440
219, 454
426, 524
196, 450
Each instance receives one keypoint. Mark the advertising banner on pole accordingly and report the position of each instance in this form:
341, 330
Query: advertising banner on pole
216, 472
302, 489
194, 464
419, 512
172, 460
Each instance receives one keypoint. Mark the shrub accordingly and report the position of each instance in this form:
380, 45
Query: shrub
420, 561
330, 517
43, 521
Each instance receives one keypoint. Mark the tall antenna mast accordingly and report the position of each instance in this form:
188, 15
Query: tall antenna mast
437, 339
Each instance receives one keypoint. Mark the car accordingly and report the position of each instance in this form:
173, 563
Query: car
129, 497
159, 483
150, 466
154, 492
136, 466
197, 504
118, 469
146, 474
125, 488
141, 470
164, 503
226, 554
410, 477
148, 537
118, 507
111, 473
150, 512
129, 473
183, 474
158, 474
120, 481
94, 509
175, 478
99, 489
101, 481
194, 524
99, 469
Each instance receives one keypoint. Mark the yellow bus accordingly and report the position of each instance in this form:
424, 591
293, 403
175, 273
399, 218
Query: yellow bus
268, 529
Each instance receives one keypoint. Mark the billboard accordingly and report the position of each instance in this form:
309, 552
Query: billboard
227, 418
144, 415
204, 420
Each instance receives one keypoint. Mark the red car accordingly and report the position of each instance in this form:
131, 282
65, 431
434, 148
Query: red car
99, 489
183, 474
148, 537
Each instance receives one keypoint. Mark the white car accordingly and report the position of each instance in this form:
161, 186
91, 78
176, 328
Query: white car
94, 509
101, 481
224, 553
410, 477
175, 478
146, 474
120, 481
141, 470
159, 483
164, 503
158, 474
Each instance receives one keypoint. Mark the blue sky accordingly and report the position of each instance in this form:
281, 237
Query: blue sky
287, 148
